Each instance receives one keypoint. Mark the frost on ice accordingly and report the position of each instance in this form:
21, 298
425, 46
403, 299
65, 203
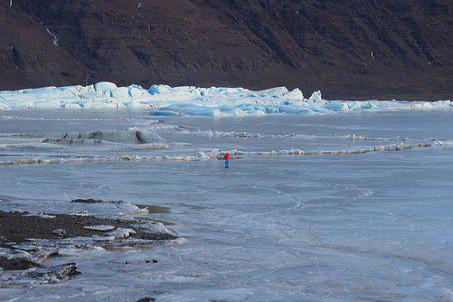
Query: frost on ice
163, 100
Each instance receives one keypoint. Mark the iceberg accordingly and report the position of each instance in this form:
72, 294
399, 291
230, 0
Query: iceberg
164, 100
130, 135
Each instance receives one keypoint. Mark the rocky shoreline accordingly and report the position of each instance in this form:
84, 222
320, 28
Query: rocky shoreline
27, 241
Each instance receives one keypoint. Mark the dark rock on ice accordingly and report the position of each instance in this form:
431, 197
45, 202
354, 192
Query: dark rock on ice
146, 299
17, 263
153, 261
55, 273
59, 232
89, 200
27, 241
19, 227
149, 235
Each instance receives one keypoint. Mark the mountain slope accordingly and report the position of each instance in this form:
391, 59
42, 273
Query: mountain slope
348, 49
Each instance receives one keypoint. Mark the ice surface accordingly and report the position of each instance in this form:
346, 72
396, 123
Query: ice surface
163, 100
330, 223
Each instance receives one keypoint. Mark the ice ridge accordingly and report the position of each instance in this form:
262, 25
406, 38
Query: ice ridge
163, 100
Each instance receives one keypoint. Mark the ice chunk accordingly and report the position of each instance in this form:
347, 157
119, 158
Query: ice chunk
188, 109
163, 113
3, 107
135, 91
122, 233
101, 228
105, 88
273, 92
336, 106
120, 93
315, 97
157, 228
295, 94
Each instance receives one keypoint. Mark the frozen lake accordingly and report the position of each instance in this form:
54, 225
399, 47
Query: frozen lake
372, 226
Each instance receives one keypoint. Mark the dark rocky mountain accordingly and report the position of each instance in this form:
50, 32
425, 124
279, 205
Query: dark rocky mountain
348, 49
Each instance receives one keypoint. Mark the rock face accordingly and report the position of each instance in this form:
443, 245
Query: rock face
358, 49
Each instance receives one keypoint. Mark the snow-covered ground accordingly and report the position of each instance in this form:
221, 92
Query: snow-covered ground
163, 100
303, 214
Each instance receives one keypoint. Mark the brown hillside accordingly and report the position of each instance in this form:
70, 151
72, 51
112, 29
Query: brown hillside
348, 49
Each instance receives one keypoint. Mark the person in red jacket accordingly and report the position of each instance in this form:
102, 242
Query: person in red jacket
227, 160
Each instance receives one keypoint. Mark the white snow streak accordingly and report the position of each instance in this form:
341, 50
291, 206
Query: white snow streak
54, 37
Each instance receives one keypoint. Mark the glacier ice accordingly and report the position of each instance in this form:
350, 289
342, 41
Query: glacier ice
130, 135
163, 100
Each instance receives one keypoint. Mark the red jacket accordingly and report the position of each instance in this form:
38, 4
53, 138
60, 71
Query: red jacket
227, 156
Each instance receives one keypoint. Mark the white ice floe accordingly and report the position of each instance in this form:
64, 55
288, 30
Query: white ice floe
163, 100
100, 227
122, 233
42, 215
157, 228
